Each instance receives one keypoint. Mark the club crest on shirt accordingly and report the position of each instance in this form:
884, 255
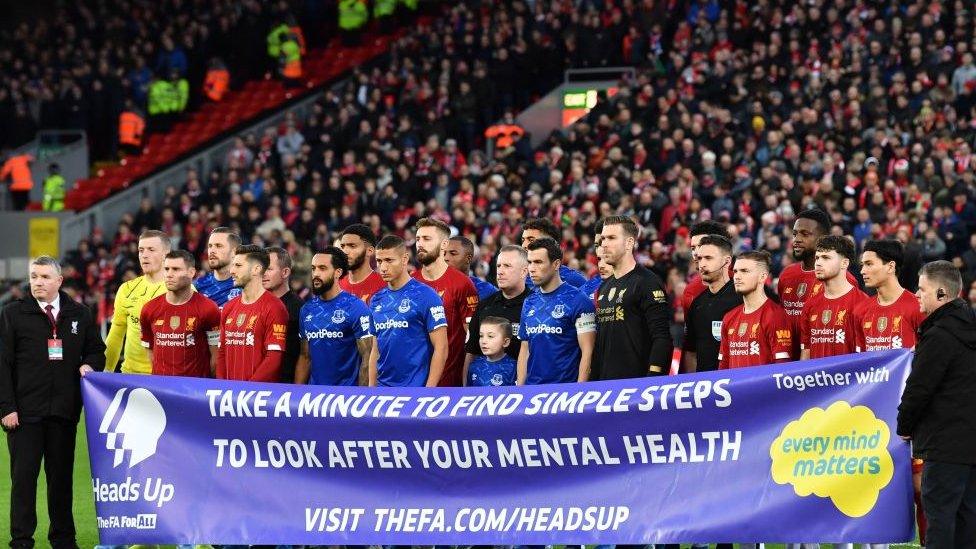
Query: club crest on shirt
826, 315
338, 316
251, 321
882, 323
896, 323
840, 317
174, 322
404, 306
801, 289
240, 319
816, 288
559, 310
755, 328
191, 323
610, 295
74, 327
742, 329
620, 296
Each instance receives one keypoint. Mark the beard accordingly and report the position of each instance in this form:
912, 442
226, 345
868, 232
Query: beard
323, 286
242, 281
426, 258
357, 262
217, 264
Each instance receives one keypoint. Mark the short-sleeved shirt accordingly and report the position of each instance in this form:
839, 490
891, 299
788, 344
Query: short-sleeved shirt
590, 287
764, 336
218, 291
703, 324
332, 329
497, 305
402, 322
460, 299
796, 285
483, 372
364, 289
828, 326
483, 287
180, 335
550, 323
892, 326
569, 276
248, 332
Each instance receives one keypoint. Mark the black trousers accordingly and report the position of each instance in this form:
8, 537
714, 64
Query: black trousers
949, 499
51, 441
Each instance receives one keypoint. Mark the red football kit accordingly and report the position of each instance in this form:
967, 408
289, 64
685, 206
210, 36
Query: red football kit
888, 326
828, 326
764, 336
364, 289
460, 301
180, 336
252, 339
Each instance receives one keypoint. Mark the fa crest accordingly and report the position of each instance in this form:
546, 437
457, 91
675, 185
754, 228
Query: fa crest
174, 322
825, 316
882, 323
742, 329
801, 289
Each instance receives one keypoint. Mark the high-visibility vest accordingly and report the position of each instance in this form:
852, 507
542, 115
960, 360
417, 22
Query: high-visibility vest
300, 36
383, 8
274, 39
292, 59
504, 134
159, 97
17, 168
410, 4
131, 127
352, 14
54, 193
216, 83
181, 95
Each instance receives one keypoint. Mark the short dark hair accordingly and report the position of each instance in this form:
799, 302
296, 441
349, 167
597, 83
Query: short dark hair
284, 258
761, 257
889, 250
186, 256
233, 239
502, 323
441, 227
391, 242
362, 231
630, 228
546, 226
945, 275
840, 244
553, 251
254, 254
819, 217
152, 233
598, 226
707, 227
338, 258
719, 242
465, 243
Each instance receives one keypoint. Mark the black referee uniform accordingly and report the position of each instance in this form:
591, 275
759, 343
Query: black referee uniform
293, 304
703, 324
46, 395
497, 305
633, 337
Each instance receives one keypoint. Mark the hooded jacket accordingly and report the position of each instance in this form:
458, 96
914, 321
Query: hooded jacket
938, 407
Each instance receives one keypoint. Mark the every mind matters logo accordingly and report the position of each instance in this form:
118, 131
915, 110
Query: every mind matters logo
840, 453
132, 426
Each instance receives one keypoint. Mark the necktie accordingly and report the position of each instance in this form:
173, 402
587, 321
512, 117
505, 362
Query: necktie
50, 317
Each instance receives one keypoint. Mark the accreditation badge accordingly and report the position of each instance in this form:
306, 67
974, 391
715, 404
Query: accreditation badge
55, 349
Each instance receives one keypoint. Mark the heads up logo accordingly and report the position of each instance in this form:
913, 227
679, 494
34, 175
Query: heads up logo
133, 424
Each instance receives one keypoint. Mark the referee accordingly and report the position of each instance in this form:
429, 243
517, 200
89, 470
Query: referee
633, 330
703, 319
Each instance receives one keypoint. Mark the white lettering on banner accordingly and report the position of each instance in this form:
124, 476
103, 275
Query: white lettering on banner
486, 519
824, 378
152, 490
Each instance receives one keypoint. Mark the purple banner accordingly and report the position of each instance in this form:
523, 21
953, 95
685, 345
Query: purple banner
800, 452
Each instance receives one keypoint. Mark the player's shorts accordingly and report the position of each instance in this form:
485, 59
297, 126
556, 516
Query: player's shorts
917, 465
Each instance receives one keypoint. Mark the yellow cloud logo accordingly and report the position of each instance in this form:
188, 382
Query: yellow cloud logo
839, 453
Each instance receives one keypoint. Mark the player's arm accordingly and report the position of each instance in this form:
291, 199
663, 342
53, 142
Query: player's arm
212, 331
587, 341
468, 304
857, 319
522, 367
928, 373
468, 357
723, 346
365, 347
804, 333
374, 357
269, 369
94, 350
302, 364
657, 321
438, 338
147, 336
116, 333
221, 372
780, 338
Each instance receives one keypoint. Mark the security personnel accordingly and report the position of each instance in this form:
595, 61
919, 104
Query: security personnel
132, 127
291, 60
54, 189
353, 15
180, 92
160, 104
504, 134
49, 341
383, 11
17, 168
275, 38
217, 81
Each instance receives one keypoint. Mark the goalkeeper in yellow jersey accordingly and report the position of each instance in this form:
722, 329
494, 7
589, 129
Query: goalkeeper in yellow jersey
125, 336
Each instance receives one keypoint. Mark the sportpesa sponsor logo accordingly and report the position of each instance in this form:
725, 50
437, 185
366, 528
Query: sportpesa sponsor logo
322, 333
390, 324
543, 329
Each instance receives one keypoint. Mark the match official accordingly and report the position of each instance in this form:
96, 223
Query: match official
48, 343
703, 319
938, 411
277, 280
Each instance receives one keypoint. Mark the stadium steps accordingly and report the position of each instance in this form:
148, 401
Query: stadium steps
214, 120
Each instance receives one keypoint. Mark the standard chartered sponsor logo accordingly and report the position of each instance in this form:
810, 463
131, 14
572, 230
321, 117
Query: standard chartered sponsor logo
392, 323
322, 333
543, 329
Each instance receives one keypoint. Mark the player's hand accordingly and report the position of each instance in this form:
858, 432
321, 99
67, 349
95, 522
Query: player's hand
10, 421
85, 369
